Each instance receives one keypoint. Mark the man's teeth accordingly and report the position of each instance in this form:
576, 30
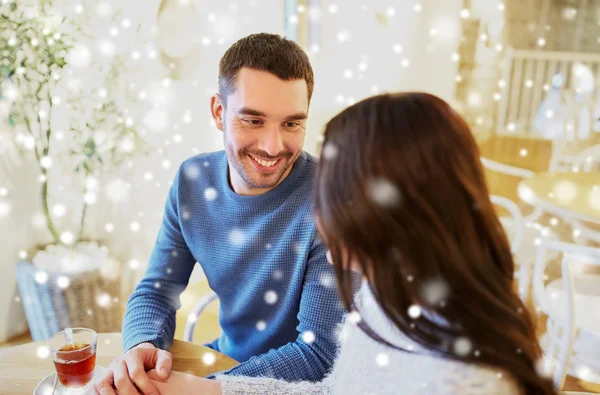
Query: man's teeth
267, 163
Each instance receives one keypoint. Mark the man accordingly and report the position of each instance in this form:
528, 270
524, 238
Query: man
245, 214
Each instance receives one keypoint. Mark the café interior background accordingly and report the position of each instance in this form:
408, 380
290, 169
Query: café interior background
168, 52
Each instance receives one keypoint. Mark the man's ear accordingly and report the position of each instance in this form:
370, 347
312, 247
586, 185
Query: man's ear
217, 110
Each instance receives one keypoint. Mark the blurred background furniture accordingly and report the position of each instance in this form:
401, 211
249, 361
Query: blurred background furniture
571, 342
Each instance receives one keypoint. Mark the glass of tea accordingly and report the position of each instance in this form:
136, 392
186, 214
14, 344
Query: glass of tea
74, 354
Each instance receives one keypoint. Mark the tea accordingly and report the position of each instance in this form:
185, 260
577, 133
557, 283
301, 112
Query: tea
75, 364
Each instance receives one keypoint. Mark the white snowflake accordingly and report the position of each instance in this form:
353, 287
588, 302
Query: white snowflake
134, 226
208, 358
261, 326
41, 277
174, 253
327, 280
134, 264
268, 246
42, 352
271, 297
298, 248
103, 300
67, 237
543, 367
462, 346
354, 317
192, 318
278, 274
330, 151
414, 311
192, 172
157, 285
237, 237
308, 337
63, 282
210, 194
434, 291
185, 215
383, 192
382, 359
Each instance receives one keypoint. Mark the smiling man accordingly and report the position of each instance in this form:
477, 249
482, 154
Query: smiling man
245, 214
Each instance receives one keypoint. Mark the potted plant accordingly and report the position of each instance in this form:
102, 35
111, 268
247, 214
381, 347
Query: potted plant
65, 122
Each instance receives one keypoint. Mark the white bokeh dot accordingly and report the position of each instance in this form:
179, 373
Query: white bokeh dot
354, 317
271, 297
383, 192
42, 352
414, 311
308, 337
210, 194
237, 237
208, 358
261, 326
41, 277
382, 359
63, 282
330, 151
462, 346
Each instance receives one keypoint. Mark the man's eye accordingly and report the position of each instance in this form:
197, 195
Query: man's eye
291, 124
253, 121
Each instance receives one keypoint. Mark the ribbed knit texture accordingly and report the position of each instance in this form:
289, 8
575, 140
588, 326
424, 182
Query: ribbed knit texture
262, 256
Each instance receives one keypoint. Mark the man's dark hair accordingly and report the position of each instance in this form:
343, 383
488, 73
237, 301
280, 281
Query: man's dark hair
267, 52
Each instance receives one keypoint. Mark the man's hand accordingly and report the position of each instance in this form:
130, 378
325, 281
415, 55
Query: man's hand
127, 373
181, 383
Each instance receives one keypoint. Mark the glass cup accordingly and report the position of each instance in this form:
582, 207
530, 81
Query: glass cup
74, 356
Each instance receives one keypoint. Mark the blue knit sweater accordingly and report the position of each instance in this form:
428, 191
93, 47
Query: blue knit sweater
262, 256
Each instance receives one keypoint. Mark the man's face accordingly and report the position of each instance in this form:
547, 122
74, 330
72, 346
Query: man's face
264, 125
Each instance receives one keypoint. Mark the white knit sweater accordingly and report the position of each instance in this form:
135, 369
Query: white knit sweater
365, 367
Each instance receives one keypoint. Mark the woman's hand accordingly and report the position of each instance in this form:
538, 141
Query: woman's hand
181, 383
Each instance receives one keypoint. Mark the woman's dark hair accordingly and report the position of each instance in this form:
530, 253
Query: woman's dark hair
401, 192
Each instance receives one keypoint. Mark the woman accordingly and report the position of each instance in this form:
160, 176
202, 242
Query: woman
401, 198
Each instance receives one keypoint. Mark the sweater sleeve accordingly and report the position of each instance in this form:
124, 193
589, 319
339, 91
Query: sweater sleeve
311, 356
234, 385
150, 312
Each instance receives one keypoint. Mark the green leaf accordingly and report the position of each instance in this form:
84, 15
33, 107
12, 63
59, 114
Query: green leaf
89, 149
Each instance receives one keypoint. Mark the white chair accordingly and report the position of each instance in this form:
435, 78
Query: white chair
572, 304
202, 304
587, 161
530, 231
587, 158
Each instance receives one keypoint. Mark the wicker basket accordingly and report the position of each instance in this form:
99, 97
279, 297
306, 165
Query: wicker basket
90, 301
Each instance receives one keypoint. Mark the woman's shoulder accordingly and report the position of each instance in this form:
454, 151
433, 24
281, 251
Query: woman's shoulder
457, 377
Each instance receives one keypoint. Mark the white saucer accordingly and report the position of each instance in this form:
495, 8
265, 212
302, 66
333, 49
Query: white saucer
45, 386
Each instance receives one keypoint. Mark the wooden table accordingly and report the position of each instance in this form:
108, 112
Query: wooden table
23, 367
570, 195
